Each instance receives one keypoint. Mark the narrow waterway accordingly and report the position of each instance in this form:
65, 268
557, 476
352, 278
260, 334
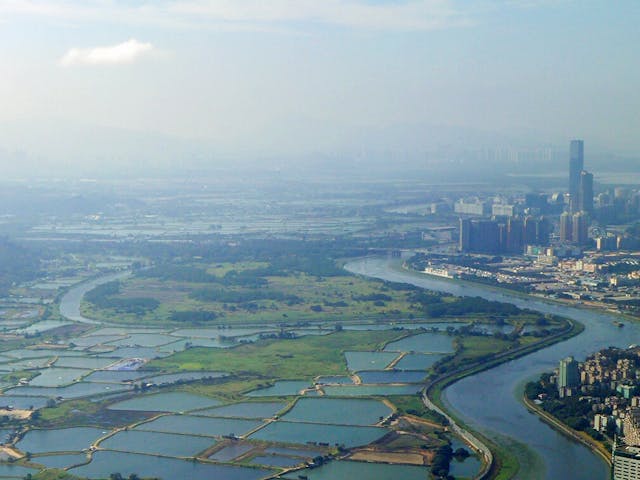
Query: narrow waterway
71, 300
490, 401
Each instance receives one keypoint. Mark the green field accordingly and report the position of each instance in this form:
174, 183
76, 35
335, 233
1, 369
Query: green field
270, 360
258, 293
295, 298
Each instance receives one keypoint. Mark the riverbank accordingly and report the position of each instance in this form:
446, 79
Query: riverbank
587, 441
497, 462
581, 304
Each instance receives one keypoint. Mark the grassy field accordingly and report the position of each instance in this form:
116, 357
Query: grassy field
315, 299
255, 293
300, 358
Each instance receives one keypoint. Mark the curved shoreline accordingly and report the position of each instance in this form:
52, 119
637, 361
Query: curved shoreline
432, 393
513, 460
516, 293
593, 445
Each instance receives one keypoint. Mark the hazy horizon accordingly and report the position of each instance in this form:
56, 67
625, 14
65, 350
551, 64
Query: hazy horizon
96, 84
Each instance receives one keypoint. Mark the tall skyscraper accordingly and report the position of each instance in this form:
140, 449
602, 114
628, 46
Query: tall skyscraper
576, 165
515, 231
580, 228
568, 374
585, 193
566, 229
465, 235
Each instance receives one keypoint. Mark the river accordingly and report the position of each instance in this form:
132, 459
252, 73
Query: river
490, 401
71, 300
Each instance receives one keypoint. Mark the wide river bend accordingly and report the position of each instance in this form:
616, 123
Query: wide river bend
490, 401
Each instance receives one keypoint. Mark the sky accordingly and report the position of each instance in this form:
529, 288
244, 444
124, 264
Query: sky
306, 76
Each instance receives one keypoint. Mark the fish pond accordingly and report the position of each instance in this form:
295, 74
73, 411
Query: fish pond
155, 443
166, 402
358, 361
301, 433
281, 388
73, 439
424, 343
206, 426
105, 463
338, 411
245, 410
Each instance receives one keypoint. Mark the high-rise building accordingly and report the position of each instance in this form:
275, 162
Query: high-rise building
626, 463
485, 236
576, 165
585, 193
566, 229
493, 236
543, 231
515, 235
568, 374
530, 230
465, 235
580, 228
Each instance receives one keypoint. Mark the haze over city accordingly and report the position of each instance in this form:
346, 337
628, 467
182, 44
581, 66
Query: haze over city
100, 84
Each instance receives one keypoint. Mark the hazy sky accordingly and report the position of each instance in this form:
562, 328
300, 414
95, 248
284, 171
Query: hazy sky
306, 75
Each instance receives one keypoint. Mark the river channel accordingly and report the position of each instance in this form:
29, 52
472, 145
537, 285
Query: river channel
71, 300
490, 401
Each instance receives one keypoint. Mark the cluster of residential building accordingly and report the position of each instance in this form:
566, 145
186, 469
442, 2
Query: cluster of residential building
609, 380
607, 280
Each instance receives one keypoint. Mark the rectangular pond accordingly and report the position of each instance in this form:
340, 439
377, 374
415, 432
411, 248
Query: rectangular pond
76, 390
418, 361
93, 340
73, 439
84, 362
61, 461
371, 390
232, 451
144, 340
166, 402
334, 380
156, 443
192, 425
105, 463
338, 411
22, 402
281, 388
301, 433
116, 376
57, 377
392, 376
357, 361
423, 343
256, 410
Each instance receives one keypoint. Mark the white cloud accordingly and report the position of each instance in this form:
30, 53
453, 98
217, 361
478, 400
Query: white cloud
123, 53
